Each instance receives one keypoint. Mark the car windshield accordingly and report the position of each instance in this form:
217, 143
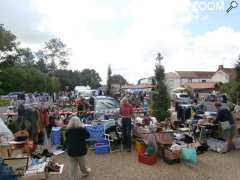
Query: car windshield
106, 104
183, 96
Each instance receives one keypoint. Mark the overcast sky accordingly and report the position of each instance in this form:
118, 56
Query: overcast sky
127, 34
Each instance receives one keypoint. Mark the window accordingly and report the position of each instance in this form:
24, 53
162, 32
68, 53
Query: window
183, 96
204, 81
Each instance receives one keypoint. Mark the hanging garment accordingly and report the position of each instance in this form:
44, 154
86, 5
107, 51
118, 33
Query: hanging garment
20, 120
44, 117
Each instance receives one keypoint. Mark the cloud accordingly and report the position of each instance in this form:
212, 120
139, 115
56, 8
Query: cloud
207, 51
129, 33
24, 20
152, 26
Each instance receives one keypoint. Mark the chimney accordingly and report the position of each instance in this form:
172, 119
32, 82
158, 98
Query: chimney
220, 67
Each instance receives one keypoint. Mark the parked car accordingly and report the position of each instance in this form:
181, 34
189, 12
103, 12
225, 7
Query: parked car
182, 98
106, 106
17, 95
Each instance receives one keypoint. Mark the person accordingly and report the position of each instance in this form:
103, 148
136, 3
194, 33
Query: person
76, 147
224, 98
225, 118
126, 112
91, 103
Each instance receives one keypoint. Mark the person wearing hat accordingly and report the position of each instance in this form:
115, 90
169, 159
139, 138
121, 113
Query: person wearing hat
226, 121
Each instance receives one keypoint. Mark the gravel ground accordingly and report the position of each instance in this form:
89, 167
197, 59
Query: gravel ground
125, 166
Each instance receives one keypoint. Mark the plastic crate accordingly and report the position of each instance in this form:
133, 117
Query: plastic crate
102, 148
217, 145
145, 159
236, 142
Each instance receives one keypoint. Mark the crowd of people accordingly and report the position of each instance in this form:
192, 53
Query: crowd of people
43, 119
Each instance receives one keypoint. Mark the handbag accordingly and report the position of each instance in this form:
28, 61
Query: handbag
225, 125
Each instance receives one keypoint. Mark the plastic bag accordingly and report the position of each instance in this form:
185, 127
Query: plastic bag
189, 155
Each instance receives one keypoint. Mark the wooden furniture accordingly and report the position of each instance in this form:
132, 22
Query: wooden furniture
19, 145
4, 150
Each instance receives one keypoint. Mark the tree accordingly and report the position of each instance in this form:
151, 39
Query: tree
41, 63
118, 79
25, 56
7, 40
26, 79
53, 84
65, 78
160, 97
57, 53
89, 77
109, 82
8, 46
52, 67
237, 68
159, 58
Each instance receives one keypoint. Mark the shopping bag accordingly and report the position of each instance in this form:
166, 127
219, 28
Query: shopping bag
189, 155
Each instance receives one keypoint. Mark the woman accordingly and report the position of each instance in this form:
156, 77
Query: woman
76, 136
126, 112
226, 121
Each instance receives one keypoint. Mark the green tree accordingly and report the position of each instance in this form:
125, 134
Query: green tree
109, 82
8, 46
160, 97
118, 79
25, 57
26, 79
53, 84
65, 78
57, 53
89, 77
237, 68
41, 62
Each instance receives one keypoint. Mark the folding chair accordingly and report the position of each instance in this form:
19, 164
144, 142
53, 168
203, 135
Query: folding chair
113, 133
97, 133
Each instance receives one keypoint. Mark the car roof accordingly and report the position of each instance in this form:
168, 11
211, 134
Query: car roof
104, 97
16, 93
181, 93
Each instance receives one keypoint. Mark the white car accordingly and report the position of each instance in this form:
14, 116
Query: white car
182, 97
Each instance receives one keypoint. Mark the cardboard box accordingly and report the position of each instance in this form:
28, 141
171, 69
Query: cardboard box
4, 151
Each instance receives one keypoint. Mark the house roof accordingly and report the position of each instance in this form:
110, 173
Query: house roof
229, 71
199, 86
195, 74
140, 86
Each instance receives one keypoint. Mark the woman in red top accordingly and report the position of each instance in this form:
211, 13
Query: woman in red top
126, 112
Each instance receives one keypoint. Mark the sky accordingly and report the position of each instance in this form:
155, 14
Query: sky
128, 34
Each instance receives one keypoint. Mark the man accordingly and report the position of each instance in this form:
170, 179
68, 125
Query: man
225, 119
126, 112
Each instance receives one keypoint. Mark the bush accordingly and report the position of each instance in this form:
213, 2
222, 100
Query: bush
4, 102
